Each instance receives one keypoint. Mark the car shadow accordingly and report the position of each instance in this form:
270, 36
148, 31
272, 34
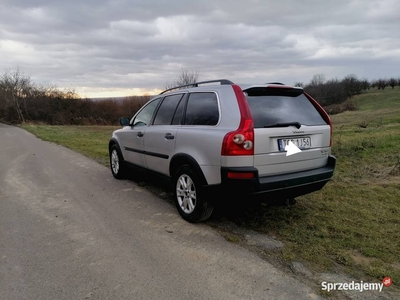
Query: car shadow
238, 209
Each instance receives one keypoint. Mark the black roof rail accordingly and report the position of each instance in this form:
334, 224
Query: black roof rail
196, 84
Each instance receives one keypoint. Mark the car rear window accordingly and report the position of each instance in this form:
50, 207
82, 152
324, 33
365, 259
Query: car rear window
272, 109
202, 109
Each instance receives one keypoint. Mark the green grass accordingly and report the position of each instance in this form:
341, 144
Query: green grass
91, 141
352, 224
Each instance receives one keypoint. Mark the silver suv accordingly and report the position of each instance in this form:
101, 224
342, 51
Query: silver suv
219, 136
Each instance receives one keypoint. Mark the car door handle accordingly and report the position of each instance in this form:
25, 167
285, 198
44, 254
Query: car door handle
140, 134
169, 136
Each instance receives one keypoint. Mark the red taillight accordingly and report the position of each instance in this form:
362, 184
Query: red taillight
238, 175
323, 114
230, 146
240, 141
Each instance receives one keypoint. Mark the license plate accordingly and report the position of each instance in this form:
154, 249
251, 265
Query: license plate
303, 142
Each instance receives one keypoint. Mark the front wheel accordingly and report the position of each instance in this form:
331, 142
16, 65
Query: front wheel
117, 163
189, 196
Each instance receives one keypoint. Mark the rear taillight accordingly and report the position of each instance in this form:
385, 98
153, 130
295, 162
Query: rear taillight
323, 114
240, 141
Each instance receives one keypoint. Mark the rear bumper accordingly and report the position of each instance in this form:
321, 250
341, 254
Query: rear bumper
285, 185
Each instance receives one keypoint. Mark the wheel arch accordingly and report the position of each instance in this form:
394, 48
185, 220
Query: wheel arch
181, 159
113, 142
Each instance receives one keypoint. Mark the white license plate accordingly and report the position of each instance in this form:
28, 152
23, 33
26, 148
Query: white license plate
303, 142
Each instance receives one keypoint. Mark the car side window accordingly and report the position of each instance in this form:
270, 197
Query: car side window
167, 109
144, 116
202, 109
179, 112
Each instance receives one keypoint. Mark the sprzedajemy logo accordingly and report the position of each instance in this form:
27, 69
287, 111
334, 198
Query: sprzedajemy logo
356, 286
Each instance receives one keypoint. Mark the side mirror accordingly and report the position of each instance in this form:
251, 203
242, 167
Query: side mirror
124, 121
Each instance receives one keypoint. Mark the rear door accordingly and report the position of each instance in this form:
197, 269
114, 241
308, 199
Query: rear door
159, 141
282, 114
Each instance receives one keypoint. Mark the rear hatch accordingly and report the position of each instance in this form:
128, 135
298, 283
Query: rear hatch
282, 114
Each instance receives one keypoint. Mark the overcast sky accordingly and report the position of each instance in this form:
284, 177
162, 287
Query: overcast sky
121, 47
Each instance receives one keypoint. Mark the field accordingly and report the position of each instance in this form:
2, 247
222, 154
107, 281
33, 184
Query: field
352, 225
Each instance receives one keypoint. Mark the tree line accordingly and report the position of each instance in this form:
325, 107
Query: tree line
21, 100
332, 94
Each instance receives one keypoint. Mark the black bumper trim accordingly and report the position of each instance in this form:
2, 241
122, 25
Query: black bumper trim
290, 185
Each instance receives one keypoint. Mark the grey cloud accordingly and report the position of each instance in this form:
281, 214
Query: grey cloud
126, 44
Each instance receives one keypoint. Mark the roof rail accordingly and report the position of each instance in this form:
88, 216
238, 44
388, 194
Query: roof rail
196, 84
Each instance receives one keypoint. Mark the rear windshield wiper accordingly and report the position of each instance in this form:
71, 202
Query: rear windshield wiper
295, 124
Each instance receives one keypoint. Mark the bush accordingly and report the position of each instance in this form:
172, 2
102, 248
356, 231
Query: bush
334, 109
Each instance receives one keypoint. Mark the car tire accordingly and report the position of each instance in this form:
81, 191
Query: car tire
189, 196
117, 163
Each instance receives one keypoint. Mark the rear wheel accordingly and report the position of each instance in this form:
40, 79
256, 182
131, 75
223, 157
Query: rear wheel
117, 163
189, 196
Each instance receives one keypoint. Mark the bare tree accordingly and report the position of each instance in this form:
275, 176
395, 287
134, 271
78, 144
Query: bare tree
365, 84
15, 88
316, 88
392, 82
317, 79
382, 83
184, 77
352, 85
299, 84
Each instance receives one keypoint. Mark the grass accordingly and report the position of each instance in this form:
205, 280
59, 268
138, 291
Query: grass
352, 224
91, 141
